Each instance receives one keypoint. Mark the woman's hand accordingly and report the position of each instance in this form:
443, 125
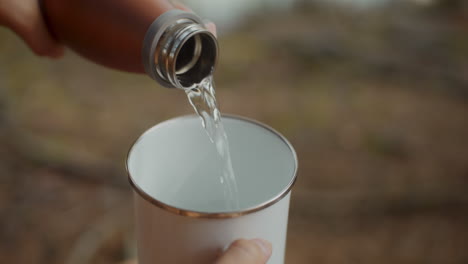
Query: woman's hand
255, 251
242, 251
25, 19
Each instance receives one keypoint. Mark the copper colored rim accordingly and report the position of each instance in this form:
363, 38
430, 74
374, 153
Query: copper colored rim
196, 214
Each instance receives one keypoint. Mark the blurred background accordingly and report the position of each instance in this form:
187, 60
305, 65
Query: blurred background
373, 95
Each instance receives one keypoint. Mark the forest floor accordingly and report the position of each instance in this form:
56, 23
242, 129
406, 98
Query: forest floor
375, 103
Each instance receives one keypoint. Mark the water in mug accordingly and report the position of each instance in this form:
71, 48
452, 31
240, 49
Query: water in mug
202, 98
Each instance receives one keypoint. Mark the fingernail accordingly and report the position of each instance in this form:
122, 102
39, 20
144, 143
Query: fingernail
264, 245
225, 247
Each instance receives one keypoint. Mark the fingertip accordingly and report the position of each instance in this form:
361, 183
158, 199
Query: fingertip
211, 27
255, 251
56, 52
264, 245
53, 51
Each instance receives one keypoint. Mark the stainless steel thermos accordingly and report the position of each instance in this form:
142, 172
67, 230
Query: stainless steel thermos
145, 36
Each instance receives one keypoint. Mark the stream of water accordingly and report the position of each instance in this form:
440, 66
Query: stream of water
202, 98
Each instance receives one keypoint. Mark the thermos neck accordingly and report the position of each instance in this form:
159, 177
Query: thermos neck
178, 51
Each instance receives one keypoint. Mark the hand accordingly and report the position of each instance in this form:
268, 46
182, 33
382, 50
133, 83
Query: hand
255, 251
25, 19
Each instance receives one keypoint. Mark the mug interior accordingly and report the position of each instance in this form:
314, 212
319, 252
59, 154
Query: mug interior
175, 164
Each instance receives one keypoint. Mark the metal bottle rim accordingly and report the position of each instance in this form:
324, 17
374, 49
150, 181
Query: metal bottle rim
200, 214
155, 33
184, 34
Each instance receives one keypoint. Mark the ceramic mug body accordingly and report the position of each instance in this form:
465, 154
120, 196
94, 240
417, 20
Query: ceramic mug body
182, 215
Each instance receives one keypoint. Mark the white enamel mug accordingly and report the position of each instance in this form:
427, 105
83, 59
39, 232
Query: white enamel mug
180, 205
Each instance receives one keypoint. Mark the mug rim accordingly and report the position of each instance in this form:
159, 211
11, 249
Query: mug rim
200, 214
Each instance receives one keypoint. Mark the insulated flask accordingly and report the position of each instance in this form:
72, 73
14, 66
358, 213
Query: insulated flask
143, 36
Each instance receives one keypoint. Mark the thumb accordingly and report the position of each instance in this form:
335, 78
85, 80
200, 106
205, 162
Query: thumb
242, 251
